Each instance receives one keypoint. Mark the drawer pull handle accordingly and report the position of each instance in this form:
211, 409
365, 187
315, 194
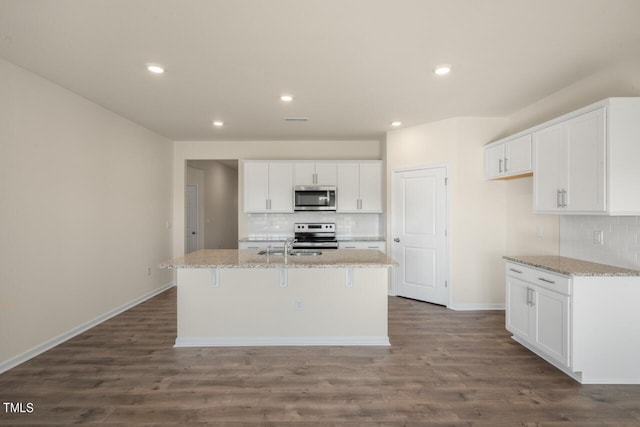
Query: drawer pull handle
515, 271
546, 280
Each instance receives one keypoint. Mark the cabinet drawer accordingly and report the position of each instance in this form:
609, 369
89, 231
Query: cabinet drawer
362, 245
543, 278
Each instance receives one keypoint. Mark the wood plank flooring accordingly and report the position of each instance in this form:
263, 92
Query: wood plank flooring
444, 368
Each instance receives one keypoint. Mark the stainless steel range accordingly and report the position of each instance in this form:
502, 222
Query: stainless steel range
317, 235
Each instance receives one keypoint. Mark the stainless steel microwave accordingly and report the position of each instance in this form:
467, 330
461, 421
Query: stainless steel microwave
314, 198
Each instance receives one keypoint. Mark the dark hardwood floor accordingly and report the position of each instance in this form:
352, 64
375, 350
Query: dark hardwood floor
444, 368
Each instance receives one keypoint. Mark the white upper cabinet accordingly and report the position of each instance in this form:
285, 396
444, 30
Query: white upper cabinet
268, 187
586, 162
360, 187
315, 173
508, 158
268, 184
570, 170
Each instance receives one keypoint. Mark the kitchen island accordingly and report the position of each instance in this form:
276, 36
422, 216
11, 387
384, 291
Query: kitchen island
239, 297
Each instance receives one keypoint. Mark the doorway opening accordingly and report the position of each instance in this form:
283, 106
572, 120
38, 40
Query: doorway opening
419, 221
211, 204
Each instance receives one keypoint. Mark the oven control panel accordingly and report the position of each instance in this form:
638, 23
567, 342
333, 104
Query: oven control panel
314, 227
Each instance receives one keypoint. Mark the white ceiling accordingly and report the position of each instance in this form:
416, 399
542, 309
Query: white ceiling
353, 65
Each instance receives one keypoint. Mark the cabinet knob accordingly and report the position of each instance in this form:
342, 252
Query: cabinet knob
396, 240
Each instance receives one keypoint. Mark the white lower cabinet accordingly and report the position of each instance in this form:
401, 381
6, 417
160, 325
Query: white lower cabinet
538, 315
588, 326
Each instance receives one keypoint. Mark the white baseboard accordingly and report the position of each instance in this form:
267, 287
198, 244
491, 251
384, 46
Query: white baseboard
471, 307
49, 344
382, 341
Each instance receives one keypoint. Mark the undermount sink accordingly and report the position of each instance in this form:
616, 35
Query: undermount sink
294, 252
305, 252
277, 251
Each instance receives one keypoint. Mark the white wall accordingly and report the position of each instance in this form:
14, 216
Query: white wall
85, 195
527, 233
252, 150
477, 208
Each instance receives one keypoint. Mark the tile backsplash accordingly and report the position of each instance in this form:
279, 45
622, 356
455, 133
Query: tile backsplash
610, 240
276, 226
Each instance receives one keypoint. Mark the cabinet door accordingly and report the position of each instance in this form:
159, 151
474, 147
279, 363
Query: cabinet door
304, 173
517, 156
548, 168
370, 187
550, 332
585, 182
494, 161
518, 317
281, 187
256, 186
348, 188
326, 173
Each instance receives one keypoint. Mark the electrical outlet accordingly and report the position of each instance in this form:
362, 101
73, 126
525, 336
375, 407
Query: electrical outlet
298, 304
538, 231
148, 271
598, 237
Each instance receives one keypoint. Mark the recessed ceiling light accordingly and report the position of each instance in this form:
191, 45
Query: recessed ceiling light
155, 69
286, 98
442, 70
218, 123
396, 124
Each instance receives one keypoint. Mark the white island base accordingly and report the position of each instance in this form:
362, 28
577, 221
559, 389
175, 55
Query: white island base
282, 306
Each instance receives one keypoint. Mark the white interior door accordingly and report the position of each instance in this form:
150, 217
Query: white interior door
191, 229
419, 225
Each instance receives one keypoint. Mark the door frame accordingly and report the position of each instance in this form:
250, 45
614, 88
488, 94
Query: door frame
394, 210
199, 228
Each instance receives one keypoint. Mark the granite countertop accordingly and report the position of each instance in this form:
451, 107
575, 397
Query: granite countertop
572, 266
249, 258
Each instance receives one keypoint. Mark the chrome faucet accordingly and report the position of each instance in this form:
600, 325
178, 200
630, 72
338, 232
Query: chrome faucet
288, 246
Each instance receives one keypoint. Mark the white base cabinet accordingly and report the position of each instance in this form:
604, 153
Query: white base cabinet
587, 326
538, 314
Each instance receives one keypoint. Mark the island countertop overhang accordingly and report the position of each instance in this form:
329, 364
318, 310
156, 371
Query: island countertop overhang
249, 258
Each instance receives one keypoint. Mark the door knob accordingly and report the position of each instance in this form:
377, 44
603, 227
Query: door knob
193, 232
396, 239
